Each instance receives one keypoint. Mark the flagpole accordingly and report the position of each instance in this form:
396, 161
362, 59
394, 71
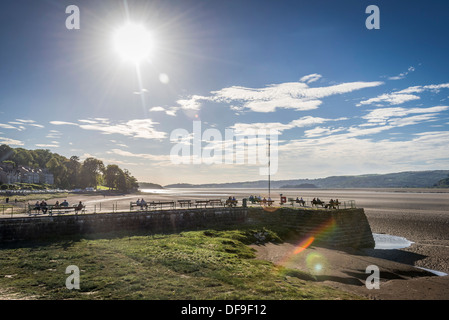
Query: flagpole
269, 165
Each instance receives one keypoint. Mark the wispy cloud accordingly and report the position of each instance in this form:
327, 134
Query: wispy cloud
383, 115
43, 145
63, 123
20, 124
143, 91
169, 111
136, 128
192, 102
8, 126
311, 78
402, 75
12, 142
402, 96
326, 155
280, 127
140, 155
290, 95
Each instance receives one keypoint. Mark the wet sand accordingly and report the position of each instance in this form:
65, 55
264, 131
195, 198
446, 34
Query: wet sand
420, 216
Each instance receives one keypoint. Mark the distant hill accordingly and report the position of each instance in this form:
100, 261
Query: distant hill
408, 179
149, 185
443, 183
299, 186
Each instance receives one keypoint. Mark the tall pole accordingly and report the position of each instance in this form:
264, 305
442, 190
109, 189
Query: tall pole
269, 165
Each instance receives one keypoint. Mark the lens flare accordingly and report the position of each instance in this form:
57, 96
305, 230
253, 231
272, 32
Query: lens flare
316, 263
323, 229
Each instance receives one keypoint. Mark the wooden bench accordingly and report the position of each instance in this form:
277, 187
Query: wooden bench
51, 208
183, 203
269, 202
216, 202
293, 201
201, 203
333, 204
254, 200
316, 203
231, 203
32, 207
63, 209
161, 204
134, 204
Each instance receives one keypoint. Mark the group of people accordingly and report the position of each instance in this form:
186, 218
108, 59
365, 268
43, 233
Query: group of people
43, 206
253, 199
141, 202
332, 203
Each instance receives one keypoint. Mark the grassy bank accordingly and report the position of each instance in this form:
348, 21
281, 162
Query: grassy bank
197, 265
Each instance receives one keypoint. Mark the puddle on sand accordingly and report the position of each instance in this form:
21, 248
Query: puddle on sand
386, 242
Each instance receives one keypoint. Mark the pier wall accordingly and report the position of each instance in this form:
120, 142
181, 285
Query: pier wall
333, 228
336, 228
29, 228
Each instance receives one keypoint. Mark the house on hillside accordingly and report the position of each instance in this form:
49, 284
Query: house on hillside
23, 174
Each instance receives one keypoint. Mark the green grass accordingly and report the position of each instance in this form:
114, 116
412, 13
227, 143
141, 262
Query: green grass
197, 265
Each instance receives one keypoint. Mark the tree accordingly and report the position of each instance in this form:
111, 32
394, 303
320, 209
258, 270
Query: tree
69, 173
113, 176
22, 157
5, 152
73, 172
58, 170
131, 182
91, 172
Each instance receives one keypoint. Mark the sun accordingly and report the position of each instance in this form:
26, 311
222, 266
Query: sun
133, 42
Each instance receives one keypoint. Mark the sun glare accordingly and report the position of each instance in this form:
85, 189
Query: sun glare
133, 42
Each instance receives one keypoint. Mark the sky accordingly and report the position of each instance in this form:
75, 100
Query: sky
335, 97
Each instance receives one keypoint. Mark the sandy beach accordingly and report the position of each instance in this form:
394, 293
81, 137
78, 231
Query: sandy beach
420, 216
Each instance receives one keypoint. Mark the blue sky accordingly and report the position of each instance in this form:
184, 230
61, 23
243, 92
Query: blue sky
344, 100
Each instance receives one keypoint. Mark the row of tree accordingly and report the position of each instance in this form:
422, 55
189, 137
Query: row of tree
71, 173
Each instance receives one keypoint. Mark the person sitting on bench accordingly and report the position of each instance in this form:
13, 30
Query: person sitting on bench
79, 207
44, 207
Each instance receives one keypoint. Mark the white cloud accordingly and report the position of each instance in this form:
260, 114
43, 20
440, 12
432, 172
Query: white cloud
88, 121
402, 75
279, 127
289, 95
402, 96
192, 103
25, 121
11, 142
140, 155
41, 145
157, 109
326, 155
8, 126
20, 124
311, 78
418, 89
141, 91
320, 131
382, 115
169, 111
390, 98
137, 128
36, 125
62, 123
